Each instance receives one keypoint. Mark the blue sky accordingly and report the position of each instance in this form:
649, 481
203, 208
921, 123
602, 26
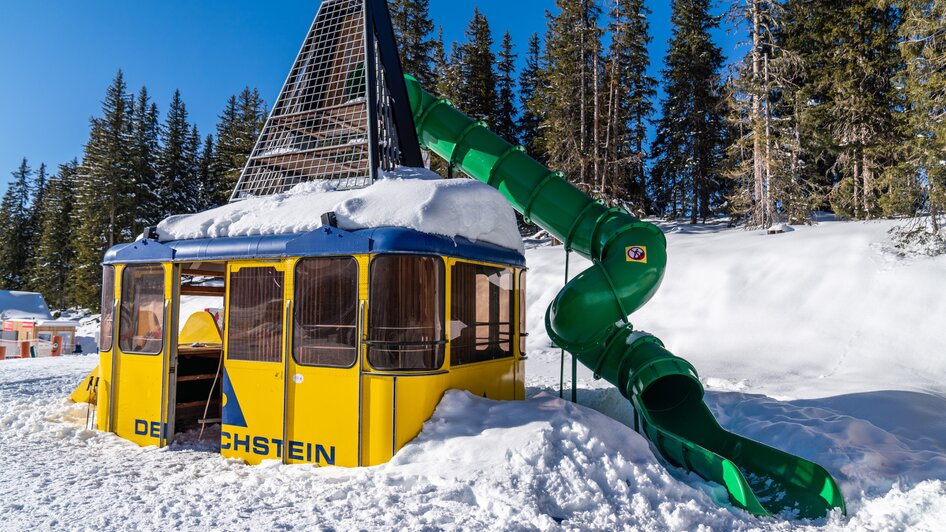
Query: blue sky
58, 56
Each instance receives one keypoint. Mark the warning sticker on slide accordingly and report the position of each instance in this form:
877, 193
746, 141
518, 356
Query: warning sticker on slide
636, 254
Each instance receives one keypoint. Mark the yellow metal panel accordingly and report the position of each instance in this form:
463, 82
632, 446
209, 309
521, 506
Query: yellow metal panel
138, 392
323, 416
417, 398
83, 390
520, 390
377, 419
494, 379
363, 267
257, 387
105, 386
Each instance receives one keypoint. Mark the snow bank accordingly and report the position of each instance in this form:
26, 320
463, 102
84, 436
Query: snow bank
539, 464
408, 197
479, 464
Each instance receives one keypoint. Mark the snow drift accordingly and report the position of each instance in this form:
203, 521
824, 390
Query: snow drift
407, 197
540, 464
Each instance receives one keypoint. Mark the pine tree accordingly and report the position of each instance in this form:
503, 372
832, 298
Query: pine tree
54, 245
865, 116
210, 182
571, 89
449, 83
239, 127
445, 83
39, 189
40, 186
15, 230
848, 106
530, 100
229, 152
413, 27
506, 113
478, 97
104, 205
691, 131
923, 47
145, 148
629, 94
175, 168
192, 163
252, 118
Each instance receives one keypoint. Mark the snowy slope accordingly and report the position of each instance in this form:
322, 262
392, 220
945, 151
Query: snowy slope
818, 311
790, 357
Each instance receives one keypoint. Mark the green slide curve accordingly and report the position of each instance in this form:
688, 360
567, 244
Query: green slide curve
589, 318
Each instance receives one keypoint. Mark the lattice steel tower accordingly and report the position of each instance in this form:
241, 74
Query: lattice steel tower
343, 112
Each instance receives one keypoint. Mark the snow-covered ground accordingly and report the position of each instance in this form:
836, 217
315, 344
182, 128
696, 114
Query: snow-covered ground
815, 341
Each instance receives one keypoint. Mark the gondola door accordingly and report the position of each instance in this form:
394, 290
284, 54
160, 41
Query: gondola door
254, 369
324, 370
146, 332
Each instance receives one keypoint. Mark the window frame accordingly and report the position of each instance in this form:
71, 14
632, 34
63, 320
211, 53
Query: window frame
228, 304
295, 309
106, 289
521, 285
121, 301
442, 343
513, 318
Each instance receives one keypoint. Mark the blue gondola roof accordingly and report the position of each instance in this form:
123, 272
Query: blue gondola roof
325, 241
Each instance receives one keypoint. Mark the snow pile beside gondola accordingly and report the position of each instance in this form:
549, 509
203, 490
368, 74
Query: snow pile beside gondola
539, 464
413, 198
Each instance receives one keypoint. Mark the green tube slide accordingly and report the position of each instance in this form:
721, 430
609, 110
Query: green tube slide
589, 318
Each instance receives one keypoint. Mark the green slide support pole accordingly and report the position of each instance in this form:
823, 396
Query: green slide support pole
589, 318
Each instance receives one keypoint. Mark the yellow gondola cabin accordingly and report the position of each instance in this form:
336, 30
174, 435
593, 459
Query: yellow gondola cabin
334, 347
318, 345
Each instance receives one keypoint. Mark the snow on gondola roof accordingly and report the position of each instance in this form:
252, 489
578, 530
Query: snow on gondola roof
409, 198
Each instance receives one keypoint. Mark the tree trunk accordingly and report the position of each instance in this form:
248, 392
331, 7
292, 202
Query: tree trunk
756, 119
583, 126
934, 214
866, 172
857, 181
596, 141
639, 160
769, 211
609, 153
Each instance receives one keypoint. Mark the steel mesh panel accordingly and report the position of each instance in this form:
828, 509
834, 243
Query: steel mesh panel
389, 152
318, 129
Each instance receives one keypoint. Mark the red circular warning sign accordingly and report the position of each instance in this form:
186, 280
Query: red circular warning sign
636, 253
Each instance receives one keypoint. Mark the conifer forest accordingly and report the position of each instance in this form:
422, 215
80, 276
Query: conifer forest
836, 106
